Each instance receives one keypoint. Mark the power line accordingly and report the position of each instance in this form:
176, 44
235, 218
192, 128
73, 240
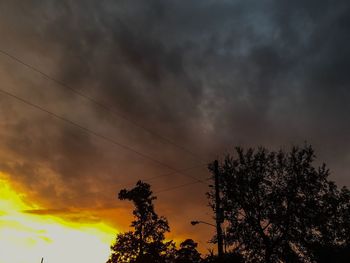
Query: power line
177, 187
101, 136
101, 105
166, 174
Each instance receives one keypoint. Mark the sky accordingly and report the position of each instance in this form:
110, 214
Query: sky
180, 83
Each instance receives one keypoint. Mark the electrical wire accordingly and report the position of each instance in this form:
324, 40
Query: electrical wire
99, 104
101, 136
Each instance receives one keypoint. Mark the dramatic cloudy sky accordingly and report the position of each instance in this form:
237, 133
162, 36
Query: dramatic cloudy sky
206, 75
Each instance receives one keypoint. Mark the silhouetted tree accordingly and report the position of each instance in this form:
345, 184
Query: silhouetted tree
280, 208
146, 243
335, 244
230, 257
187, 253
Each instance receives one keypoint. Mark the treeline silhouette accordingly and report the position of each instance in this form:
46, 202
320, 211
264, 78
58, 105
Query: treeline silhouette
275, 206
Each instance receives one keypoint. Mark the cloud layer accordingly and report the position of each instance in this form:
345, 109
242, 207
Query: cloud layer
206, 74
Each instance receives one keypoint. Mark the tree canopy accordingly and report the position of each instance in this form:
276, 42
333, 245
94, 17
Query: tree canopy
276, 206
146, 242
279, 207
187, 253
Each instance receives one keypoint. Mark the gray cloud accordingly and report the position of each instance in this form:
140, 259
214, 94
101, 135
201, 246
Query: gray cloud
209, 75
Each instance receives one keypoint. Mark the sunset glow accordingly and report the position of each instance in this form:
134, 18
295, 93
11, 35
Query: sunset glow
26, 238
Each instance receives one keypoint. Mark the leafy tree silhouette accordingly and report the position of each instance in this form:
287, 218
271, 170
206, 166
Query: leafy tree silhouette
231, 257
146, 243
280, 208
187, 253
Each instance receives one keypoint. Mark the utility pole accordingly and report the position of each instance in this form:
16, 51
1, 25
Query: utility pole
218, 211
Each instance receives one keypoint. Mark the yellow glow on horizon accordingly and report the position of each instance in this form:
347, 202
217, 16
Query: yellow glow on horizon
26, 238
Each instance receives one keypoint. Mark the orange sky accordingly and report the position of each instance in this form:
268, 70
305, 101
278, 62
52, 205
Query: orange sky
29, 231
25, 237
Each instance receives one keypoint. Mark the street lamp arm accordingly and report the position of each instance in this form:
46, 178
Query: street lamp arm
201, 222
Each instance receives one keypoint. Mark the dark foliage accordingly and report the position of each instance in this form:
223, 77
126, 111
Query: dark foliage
227, 258
146, 243
187, 253
275, 206
280, 208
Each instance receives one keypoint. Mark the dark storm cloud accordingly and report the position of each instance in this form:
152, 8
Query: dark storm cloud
207, 74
